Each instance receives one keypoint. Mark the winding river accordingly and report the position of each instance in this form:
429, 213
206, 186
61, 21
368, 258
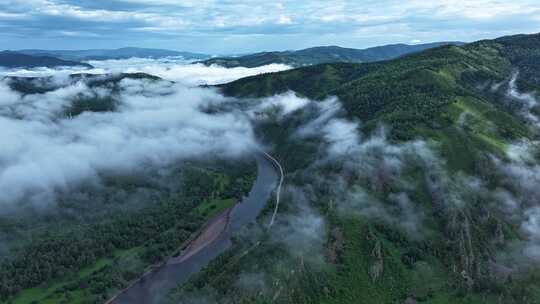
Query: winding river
152, 287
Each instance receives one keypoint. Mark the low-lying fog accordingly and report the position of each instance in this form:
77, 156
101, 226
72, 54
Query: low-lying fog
178, 70
155, 123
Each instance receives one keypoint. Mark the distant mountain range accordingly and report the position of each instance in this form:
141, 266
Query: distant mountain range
10, 59
324, 54
122, 53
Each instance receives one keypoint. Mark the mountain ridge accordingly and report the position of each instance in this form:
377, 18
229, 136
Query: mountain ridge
11, 59
120, 53
324, 54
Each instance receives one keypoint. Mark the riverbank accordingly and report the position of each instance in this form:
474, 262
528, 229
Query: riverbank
213, 240
205, 235
212, 230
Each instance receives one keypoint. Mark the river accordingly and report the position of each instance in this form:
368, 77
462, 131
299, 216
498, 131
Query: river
151, 288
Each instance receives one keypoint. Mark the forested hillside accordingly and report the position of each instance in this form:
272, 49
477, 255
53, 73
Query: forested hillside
84, 242
410, 92
415, 185
98, 240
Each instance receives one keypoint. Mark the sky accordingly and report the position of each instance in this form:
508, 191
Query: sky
242, 26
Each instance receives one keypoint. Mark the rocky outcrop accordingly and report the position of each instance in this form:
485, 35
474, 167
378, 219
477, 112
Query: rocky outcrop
377, 268
410, 300
335, 247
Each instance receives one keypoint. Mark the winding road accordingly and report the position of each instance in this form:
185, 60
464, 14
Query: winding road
213, 239
278, 190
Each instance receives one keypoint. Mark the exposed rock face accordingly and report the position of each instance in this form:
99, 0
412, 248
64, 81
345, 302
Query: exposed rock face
336, 245
502, 273
466, 247
499, 235
468, 280
376, 270
410, 300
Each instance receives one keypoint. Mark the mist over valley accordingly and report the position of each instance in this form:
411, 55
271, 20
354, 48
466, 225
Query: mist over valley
286, 169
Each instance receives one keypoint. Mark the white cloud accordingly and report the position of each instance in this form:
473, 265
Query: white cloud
47, 152
481, 9
155, 124
522, 175
283, 19
7, 15
55, 9
7, 97
345, 22
189, 74
174, 69
287, 103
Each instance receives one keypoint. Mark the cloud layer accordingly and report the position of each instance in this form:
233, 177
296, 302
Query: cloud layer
177, 70
241, 26
47, 149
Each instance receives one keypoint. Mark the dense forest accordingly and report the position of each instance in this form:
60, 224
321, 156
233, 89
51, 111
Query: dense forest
405, 93
414, 211
94, 242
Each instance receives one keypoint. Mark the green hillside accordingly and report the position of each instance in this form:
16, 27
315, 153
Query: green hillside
416, 216
411, 92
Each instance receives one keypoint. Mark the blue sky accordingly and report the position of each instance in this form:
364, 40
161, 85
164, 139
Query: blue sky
237, 26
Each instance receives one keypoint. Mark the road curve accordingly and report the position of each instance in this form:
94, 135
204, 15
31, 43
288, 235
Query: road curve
278, 189
153, 286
